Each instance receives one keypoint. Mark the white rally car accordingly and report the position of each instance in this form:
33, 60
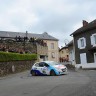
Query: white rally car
48, 68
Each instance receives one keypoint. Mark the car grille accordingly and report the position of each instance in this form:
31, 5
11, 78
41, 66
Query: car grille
63, 70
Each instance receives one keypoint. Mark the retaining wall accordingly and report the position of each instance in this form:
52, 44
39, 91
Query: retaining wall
14, 67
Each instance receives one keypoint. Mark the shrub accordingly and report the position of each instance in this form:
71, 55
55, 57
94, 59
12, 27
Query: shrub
16, 56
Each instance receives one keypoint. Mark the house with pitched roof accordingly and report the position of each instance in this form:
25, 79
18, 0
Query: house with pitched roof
84, 40
49, 53
64, 54
71, 52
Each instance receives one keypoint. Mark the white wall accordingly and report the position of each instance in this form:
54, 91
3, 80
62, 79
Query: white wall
88, 65
71, 56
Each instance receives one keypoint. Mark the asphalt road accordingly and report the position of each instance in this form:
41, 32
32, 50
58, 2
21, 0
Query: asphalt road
81, 83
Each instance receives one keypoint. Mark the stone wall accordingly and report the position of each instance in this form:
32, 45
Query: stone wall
14, 67
21, 47
18, 47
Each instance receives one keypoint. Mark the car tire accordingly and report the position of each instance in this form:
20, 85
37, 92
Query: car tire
52, 73
33, 73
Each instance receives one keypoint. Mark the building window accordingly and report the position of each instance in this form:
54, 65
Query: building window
93, 40
53, 55
81, 43
67, 51
52, 45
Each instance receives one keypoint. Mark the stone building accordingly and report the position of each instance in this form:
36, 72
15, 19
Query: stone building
44, 44
64, 54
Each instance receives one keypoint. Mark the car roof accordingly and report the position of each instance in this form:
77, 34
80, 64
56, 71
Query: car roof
48, 61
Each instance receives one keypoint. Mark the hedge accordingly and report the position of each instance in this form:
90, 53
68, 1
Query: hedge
4, 56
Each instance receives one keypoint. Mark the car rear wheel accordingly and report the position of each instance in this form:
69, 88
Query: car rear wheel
52, 73
33, 73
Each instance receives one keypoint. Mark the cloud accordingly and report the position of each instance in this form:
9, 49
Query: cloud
59, 18
18, 17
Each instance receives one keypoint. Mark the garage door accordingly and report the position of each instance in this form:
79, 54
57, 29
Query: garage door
83, 58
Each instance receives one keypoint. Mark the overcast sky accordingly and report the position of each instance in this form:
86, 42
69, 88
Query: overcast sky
59, 18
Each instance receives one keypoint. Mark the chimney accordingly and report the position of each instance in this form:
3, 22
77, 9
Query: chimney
85, 23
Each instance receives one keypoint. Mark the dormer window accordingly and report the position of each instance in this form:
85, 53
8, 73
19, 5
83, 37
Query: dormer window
81, 43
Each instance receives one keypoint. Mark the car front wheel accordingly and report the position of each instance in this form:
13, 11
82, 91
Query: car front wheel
52, 73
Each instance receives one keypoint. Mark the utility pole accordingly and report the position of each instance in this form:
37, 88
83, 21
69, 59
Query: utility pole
25, 38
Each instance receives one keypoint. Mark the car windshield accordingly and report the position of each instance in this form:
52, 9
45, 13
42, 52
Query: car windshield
53, 63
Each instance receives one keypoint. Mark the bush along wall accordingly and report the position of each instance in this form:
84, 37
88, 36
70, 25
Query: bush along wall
5, 57
15, 62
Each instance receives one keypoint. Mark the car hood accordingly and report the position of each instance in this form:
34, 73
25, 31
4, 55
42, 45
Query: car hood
59, 66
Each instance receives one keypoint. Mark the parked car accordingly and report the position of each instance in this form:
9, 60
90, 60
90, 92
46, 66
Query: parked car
48, 68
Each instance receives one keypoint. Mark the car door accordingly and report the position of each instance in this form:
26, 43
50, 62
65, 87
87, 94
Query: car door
46, 69
43, 68
40, 67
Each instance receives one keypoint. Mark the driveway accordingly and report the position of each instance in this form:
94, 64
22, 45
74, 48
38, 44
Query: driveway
81, 83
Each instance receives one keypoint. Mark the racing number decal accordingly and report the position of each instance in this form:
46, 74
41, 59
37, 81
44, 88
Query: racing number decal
44, 70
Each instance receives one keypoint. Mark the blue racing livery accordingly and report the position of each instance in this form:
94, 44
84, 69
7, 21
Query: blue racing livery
48, 68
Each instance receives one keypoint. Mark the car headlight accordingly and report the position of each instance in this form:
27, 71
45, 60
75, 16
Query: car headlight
58, 69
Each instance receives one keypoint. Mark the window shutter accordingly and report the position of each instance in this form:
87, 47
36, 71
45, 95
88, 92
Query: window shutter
78, 43
84, 42
92, 40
